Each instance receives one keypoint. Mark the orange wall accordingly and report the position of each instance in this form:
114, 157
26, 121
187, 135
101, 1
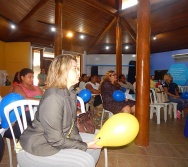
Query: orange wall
14, 56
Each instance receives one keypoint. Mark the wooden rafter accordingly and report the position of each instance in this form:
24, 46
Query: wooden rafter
128, 27
101, 35
103, 7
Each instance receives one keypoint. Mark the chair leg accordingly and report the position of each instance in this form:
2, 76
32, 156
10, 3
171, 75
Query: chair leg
9, 151
158, 114
175, 108
105, 157
170, 110
102, 116
151, 112
165, 113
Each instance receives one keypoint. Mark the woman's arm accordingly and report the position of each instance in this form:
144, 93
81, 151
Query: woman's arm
170, 94
93, 91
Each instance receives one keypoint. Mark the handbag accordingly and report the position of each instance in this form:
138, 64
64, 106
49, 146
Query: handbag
85, 122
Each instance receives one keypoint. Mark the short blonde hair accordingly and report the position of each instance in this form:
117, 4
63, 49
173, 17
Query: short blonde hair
167, 78
58, 71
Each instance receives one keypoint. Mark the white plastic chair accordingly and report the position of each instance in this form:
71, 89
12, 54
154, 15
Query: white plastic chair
13, 107
156, 101
2, 131
155, 108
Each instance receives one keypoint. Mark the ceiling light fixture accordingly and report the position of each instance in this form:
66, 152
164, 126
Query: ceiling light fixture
70, 34
82, 36
12, 26
154, 37
126, 47
53, 29
107, 47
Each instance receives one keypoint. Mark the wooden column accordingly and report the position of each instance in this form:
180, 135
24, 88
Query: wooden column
59, 28
118, 48
143, 71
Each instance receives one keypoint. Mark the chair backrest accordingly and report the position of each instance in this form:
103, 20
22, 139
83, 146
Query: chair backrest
153, 94
82, 106
15, 107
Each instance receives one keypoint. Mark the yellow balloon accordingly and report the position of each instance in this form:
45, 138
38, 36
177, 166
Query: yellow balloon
118, 130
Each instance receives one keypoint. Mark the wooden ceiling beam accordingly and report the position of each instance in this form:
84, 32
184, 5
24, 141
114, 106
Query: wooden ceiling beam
103, 7
128, 27
36, 8
101, 35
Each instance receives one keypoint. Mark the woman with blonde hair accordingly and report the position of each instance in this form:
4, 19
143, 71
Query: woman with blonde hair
108, 85
172, 91
53, 138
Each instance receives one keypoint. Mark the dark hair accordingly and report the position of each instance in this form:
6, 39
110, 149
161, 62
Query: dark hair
120, 76
83, 75
92, 76
16, 78
25, 71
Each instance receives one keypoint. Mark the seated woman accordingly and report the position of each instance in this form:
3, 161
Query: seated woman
26, 87
16, 79
172, 91
93, 86
53, 139
107, 87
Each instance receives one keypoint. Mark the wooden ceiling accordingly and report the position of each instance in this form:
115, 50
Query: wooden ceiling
96, 19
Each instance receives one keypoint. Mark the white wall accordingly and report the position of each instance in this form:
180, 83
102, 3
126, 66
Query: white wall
107, 62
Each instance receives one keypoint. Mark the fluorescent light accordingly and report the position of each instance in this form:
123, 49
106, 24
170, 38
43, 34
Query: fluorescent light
128, 3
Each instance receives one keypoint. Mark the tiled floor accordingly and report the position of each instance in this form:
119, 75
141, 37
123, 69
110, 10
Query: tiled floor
167, 148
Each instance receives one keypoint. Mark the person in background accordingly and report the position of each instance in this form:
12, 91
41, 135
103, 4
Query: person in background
42, 77
172, 91
134, 85
83, 81
152, 82
124, 83
159, 83
92, 85
53, 139
16, 79
26, 87
7, 82
108, 86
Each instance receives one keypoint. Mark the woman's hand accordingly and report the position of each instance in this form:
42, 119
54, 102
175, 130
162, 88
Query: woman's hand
93, 144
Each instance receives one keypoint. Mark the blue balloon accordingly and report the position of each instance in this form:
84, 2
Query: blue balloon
118, 96
85, 94
4, 102
184, 95
123, 89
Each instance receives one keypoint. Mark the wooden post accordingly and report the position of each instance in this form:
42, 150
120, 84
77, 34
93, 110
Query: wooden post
59, 28
118, 48
143, 71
